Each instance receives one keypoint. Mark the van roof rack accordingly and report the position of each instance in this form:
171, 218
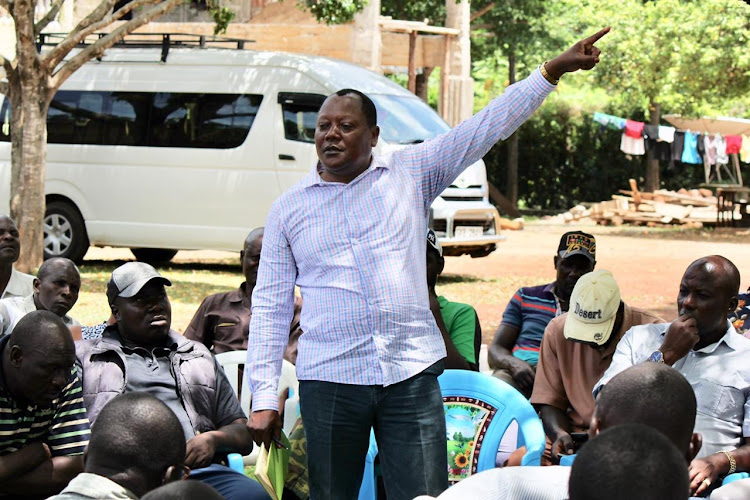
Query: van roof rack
150, 40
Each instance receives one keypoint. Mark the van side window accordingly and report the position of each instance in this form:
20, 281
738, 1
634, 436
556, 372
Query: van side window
299, 122
178, 120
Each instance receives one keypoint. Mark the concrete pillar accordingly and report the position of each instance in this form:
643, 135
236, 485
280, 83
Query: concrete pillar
460, 100
366, 44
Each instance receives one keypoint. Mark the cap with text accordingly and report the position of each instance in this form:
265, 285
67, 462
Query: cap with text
433, 242
593, 308
577, 243
128, 279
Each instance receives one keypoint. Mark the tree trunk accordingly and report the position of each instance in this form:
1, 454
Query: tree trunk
652, 164
422, 83
29, 100
511, 189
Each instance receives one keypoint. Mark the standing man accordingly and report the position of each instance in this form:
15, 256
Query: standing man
222, 320
514, 352
56, 290
12, 282
704, 346
351, 236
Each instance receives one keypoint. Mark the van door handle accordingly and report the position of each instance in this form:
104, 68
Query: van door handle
286, 157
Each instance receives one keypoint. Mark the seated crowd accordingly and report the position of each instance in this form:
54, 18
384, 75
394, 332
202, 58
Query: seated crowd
650, 409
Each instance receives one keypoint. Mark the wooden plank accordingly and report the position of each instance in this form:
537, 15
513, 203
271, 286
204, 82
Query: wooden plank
636, 193
412, 62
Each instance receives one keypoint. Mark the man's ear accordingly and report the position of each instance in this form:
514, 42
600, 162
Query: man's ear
733, 304
35, 284
115, 312
16, 355
594, 426
556, 260
375, 136
242, 256
696, 442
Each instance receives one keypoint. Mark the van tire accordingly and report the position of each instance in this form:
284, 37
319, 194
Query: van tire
153, 255
64, 232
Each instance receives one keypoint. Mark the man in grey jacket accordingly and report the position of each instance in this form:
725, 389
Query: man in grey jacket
141, 353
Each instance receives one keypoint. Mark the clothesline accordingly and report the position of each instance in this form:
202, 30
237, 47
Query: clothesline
671, 144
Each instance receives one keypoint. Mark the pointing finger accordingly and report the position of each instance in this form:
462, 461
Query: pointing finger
596, 36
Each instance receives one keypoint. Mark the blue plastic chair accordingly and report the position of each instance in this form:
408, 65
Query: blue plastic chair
735, 477
508, 405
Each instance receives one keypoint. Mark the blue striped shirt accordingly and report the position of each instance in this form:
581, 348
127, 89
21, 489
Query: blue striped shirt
357, 252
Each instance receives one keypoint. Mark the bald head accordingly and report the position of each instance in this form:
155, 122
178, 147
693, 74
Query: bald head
250, 257
725, 273
38, 358
652, 394
123, 447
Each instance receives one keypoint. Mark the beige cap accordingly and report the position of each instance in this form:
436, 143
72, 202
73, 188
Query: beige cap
593, 308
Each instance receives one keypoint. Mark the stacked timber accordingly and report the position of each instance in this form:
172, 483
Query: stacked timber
693, 207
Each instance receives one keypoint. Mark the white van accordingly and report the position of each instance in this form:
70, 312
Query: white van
186, 149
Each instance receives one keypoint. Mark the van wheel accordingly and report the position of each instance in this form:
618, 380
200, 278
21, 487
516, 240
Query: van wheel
64, 232
153, 255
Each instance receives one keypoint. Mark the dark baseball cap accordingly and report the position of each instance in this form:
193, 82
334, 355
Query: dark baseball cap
128, 279
577, 243
433, 242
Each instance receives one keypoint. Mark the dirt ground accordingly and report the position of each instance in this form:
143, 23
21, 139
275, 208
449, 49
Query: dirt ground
647, 263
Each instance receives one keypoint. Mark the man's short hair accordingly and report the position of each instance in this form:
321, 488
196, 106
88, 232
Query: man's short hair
49, 264
627, 462
368, 107
36, 329
651, 394
136, 433
183, 490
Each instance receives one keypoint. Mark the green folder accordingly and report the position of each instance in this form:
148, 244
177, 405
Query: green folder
272, 466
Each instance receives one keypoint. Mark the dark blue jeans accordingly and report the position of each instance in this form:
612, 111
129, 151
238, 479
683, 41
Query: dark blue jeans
231, 484
409, 425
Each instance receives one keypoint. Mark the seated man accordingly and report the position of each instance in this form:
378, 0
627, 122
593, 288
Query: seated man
223, 319
44, 429
55, 289
740, 317
123, 460
514, 351
704, 346
643, 394
12, 282
141, 353
458, 323
576, 350
630, 461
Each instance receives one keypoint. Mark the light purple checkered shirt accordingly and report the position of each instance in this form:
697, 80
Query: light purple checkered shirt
357, 252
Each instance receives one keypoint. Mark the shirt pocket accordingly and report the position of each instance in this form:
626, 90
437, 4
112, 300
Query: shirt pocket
725, 402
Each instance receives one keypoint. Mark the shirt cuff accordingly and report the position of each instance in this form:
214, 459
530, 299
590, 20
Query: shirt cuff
265, 401
539, 85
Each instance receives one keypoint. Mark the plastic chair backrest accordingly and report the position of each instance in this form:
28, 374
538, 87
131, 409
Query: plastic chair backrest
478, 409
231, 362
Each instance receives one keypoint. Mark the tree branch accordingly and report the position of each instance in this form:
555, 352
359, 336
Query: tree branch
482, 11
74, 38
57, 54
48, 17
97, 48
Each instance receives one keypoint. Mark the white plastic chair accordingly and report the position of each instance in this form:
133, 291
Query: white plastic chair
231, 362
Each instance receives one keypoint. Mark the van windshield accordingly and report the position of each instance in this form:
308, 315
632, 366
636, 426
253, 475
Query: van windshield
407, 120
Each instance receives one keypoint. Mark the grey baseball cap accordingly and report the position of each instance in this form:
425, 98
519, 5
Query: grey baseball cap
128, 279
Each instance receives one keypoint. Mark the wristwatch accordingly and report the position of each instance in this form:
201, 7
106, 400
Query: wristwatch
657, 357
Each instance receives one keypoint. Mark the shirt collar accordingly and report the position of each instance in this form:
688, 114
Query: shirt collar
94, 485
111, 340
314, 179
239, 294
15, 284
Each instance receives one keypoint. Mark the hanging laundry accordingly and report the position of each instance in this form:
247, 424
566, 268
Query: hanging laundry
721, 150
690, 151
613, 122
631, 145
745, 149
734, 144
666, 134
634, 129
661, 150
651, 132
700, 146
678, 145
710, 146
